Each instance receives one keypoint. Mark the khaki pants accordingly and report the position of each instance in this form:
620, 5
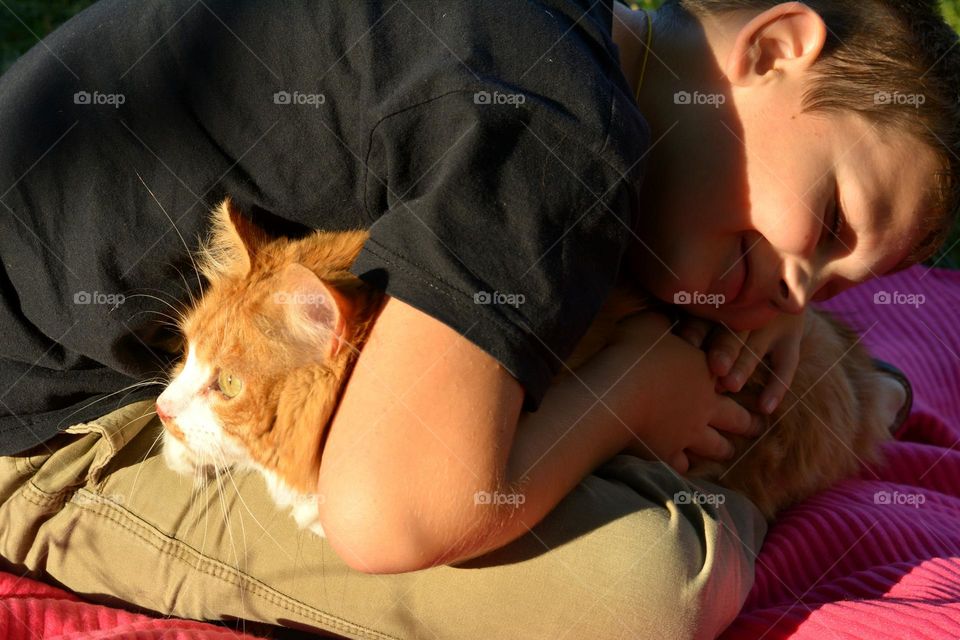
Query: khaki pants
97, 511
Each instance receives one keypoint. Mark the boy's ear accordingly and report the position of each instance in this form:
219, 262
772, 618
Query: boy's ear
787, 38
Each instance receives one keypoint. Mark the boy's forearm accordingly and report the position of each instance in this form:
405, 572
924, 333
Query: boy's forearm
554, 448
427, 446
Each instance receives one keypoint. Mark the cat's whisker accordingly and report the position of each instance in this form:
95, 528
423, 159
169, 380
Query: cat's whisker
173, 323
179, 313
186, 286
142, 383
127, 389
243, 530
255, 519
243, 533
136, 478
206, 501
198, 486
178, 304
226, 518
173, 224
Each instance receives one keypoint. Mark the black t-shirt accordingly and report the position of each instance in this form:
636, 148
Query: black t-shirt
492, 148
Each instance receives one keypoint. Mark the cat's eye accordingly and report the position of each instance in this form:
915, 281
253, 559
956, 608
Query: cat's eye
229, 384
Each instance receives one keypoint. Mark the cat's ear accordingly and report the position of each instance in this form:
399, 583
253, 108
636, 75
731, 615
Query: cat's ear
233, 243
314, 310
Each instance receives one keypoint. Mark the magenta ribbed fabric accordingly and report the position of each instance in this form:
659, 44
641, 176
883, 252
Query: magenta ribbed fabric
878, 557
31, 610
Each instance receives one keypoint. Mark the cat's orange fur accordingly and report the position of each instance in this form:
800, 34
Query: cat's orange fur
292, 384
824, 429
831, 422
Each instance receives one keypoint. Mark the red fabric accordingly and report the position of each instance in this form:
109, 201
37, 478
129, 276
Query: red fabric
30, 610
840, 566
846, 566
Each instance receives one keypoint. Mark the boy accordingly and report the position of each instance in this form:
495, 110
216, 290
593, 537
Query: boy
517, 121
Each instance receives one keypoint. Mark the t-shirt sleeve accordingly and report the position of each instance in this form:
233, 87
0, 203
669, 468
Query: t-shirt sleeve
502, 221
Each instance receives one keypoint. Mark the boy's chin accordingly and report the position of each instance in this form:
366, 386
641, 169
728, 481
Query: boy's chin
742, 319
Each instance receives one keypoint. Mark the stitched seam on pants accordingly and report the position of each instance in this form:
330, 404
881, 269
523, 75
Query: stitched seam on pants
180, 550
41, 498
27, 464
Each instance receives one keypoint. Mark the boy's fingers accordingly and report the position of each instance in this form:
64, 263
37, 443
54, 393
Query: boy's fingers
694, 330
784, 368
725, 348
742, 370
733, 418
680, 462
694, 459
713, 446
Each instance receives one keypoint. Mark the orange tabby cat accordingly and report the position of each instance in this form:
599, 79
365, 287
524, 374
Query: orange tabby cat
274, 337
268, 348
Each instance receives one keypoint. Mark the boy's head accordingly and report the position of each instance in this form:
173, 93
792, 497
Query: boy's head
800, 148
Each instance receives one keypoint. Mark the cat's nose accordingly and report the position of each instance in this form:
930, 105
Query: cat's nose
163, 411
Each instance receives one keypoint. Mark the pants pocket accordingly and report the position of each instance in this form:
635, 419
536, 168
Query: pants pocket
78, 456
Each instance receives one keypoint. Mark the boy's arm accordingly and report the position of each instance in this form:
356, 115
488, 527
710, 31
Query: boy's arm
428, 420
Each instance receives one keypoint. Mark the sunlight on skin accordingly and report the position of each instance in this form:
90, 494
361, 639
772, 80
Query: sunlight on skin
712, 220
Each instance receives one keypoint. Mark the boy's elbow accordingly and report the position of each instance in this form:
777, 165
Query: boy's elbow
369, 547
371, 538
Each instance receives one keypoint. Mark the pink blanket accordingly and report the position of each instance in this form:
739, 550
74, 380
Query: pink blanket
878, 557
31, 610
875, 558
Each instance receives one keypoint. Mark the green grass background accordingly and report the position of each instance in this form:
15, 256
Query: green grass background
22, 22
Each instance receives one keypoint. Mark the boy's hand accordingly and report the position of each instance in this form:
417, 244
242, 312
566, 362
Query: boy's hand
669, 395
734, 356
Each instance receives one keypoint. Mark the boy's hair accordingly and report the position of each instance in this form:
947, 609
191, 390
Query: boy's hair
896, 63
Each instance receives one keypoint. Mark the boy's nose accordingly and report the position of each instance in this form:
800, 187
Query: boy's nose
792, 292
791, 299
